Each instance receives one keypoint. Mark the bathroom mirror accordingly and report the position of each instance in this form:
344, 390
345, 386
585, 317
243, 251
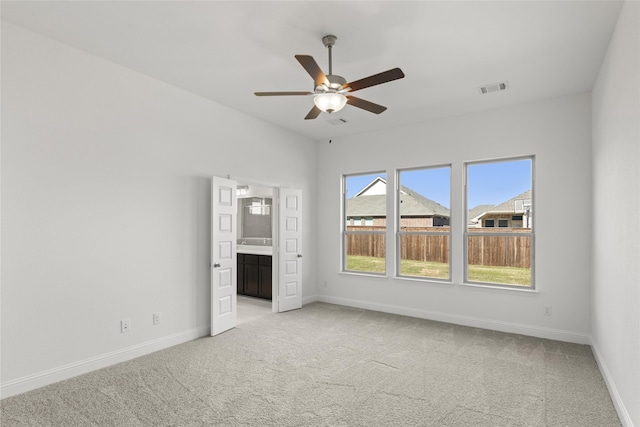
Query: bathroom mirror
254, 217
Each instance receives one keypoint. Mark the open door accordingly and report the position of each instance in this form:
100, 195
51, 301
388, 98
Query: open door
224, 301
290, 255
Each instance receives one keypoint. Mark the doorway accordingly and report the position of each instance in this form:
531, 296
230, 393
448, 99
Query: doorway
283, 252
256, 227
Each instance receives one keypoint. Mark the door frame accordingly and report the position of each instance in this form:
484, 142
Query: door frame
275, 223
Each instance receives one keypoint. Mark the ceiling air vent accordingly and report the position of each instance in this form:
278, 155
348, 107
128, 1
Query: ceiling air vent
336, 122
494, 87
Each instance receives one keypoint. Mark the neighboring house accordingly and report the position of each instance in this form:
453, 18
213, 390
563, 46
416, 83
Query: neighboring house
368, 208
475, 213
514, 213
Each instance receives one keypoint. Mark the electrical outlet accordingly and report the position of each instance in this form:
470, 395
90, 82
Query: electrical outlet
546, 310
156, 318
125, 325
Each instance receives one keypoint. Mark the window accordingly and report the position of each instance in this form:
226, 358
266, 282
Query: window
423, 230
364, 219
502, 191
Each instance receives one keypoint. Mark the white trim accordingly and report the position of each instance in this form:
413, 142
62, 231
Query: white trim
497, 286
425, 279
50, 376
309, 299
476, 322
365, 274
618, 403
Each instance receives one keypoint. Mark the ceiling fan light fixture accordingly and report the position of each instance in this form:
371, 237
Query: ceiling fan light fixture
330, 102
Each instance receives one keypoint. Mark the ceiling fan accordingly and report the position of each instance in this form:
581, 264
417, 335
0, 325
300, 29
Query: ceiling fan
331, 92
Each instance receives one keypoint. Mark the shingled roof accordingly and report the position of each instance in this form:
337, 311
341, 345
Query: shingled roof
367, 206
413, 204
510, 205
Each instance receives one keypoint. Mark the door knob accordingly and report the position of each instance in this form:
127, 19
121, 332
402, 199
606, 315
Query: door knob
299, 255
216, 265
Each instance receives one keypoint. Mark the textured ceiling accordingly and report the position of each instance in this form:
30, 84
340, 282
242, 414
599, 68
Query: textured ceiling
224, 51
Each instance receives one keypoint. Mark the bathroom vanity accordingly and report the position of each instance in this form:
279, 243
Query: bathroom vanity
254, 275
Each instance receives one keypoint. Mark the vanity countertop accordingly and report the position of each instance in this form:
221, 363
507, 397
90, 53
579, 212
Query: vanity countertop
255, 249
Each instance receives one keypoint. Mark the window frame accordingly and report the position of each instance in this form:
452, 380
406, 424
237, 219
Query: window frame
399, 233
344, 223
466, 233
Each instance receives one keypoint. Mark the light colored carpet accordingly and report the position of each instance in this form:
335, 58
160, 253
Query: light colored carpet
327, 365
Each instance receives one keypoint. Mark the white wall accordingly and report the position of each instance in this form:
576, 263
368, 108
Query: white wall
557, 132
106, 204
616, 220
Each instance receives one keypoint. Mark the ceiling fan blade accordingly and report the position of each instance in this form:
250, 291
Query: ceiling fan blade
315, 112
365, 105
312, 67
376, 79
281, 93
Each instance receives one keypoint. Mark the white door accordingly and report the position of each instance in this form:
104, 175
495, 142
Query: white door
223, 255
290, 243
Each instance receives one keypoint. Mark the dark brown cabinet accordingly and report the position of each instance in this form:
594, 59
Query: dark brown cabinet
254, 275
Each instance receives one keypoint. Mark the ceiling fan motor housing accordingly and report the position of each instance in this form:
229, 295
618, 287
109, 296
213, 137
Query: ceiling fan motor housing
335, 84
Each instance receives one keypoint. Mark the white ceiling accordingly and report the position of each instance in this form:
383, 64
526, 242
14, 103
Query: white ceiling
224, 51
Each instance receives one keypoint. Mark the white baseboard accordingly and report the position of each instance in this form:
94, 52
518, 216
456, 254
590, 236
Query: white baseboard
476, 322
309, 299
625, 418
50, 376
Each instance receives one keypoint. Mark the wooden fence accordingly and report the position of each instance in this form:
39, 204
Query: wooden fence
502, 251
366, 244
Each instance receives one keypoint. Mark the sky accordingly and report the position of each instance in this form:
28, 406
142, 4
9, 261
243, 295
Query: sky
488, 183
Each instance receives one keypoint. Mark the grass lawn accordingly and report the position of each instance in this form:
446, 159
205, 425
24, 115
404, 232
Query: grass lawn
505, 275
477, 273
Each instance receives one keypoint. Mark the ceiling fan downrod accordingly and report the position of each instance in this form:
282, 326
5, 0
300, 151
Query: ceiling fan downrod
328, 42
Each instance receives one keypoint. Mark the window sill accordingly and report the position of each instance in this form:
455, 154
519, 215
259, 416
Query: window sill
426, 280
364, 274
500, 288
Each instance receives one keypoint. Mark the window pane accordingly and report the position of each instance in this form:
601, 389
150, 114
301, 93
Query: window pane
366, 201
365, 211
424, 197
500, 190
424, 255
365, 253
499, 198
499, 259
